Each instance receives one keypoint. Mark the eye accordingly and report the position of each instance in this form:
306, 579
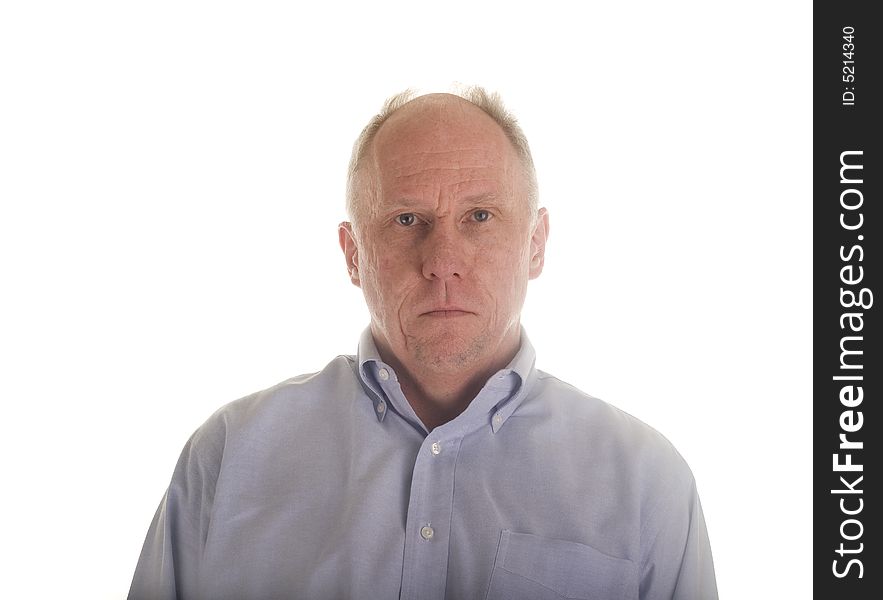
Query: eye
481, 216
406, 219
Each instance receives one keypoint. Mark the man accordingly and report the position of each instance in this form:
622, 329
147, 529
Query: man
438, 462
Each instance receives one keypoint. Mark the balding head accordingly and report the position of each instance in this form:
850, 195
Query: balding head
434, 116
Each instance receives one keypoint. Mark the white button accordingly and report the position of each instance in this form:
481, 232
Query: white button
381, 407
498, 418
384, 374
427, 532
435, 448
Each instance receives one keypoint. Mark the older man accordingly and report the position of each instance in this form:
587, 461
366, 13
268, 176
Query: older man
438, 462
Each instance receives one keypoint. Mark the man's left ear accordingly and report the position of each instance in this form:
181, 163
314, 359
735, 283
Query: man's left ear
538, 243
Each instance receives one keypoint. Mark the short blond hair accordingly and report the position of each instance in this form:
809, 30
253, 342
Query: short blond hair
490, 103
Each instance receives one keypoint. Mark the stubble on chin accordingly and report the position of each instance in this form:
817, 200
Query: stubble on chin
446, 352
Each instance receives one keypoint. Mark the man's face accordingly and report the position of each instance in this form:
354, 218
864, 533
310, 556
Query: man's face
445, 249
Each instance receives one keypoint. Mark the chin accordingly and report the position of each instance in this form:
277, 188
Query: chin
449, 351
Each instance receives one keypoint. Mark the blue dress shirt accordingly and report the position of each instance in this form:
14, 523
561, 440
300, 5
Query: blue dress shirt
328, 486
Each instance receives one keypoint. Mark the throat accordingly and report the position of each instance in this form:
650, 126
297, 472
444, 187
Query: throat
438, 404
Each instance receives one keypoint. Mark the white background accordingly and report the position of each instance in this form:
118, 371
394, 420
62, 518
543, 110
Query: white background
172, 175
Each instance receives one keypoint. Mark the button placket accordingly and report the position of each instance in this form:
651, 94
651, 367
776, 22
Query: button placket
428, 522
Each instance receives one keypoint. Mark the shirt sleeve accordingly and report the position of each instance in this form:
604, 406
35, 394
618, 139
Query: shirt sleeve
678, 563
169, 565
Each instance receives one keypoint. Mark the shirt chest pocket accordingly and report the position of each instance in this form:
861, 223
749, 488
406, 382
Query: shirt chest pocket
538, 568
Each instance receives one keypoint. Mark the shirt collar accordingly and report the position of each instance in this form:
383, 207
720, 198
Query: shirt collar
511, 383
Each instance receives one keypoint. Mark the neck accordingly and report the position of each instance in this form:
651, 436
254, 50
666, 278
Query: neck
438, 396
437, 400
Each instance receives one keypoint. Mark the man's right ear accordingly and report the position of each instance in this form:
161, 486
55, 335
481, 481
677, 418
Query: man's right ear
350, 251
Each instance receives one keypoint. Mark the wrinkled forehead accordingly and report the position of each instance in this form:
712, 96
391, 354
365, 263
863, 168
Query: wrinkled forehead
438, 133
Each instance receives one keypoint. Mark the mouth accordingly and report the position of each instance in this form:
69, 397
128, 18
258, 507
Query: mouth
446, 313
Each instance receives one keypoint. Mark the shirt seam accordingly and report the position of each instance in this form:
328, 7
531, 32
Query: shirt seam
652, 517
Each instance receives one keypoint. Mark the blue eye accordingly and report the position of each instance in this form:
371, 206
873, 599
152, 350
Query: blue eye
481, 216
406, 219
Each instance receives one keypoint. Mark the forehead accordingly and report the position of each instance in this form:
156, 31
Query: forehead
438, 138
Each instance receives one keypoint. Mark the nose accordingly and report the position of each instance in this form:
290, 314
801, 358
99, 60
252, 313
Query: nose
445, 253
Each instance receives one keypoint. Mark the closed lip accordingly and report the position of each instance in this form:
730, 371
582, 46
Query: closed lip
446, 311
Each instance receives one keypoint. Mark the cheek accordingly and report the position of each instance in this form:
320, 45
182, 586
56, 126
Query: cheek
370, 278
384, 280
504, 271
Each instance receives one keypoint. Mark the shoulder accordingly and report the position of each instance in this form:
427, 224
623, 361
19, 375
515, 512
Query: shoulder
594, 426
268, 413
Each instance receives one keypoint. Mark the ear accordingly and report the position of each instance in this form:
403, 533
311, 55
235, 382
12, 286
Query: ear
350, 251
538, 243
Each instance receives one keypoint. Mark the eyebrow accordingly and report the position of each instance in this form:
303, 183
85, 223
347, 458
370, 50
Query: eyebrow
481, 199
473, 200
